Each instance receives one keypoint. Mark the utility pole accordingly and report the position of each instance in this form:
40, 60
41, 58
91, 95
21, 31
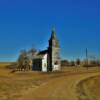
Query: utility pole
87, 57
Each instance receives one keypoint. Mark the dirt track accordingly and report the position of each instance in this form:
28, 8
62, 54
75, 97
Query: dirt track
59, 88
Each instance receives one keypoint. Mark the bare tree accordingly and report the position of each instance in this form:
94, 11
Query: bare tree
21, 58
25, 59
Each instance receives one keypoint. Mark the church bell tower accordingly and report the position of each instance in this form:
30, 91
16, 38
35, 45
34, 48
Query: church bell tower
54, 53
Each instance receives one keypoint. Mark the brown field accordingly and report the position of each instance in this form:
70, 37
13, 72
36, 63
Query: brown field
4, 64
90, 88
44, 86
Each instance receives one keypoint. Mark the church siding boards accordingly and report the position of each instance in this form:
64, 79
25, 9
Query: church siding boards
44, 63
48, 60
40, 61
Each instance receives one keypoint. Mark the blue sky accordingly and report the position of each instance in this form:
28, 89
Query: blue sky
27, 23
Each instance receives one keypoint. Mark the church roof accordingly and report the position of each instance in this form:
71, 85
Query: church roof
41, 54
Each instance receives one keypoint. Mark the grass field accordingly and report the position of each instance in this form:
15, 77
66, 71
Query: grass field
4, 64
91, 87
14, 85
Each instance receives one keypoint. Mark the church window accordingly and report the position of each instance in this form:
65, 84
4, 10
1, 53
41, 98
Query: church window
56, 62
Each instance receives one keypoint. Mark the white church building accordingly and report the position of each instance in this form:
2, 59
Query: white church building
48, 60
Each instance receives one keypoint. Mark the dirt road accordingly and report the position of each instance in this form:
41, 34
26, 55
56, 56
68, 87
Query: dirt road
59, 88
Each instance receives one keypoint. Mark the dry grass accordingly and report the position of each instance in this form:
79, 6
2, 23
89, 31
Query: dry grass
89, 89
4, 64
14, 85
93, 87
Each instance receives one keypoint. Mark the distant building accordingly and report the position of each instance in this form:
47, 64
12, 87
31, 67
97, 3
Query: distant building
48, 60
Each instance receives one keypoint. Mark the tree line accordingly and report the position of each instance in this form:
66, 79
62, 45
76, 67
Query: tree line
82, 63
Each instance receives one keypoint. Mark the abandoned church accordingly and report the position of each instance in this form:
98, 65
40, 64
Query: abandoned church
48, 60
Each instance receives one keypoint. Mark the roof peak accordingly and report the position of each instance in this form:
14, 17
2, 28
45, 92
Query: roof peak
53, 34
53, 29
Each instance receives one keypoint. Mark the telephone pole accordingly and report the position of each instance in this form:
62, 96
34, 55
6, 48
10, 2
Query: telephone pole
87, 57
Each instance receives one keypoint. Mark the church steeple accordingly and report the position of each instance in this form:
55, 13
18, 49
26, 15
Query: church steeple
54, 52
53, 34
53, 40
